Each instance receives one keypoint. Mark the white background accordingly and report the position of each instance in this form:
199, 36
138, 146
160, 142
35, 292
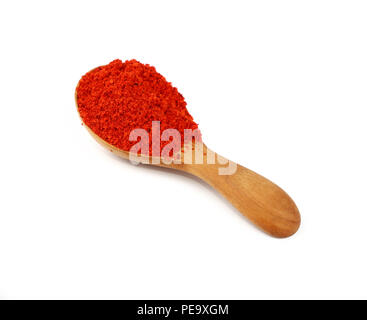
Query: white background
278, 86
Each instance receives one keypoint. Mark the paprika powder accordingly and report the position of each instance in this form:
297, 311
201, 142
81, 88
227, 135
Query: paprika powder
119, 97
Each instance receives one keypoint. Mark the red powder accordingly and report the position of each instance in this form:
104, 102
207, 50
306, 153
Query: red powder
119, 97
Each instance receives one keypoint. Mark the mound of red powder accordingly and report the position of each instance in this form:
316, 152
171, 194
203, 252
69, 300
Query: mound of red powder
122, 96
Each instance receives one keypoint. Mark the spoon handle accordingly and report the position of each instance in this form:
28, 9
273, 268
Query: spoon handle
260, 200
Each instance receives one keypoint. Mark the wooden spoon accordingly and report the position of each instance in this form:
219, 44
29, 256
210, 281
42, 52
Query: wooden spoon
257, 198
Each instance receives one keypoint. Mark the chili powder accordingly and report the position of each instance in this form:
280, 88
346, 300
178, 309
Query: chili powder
119, 97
